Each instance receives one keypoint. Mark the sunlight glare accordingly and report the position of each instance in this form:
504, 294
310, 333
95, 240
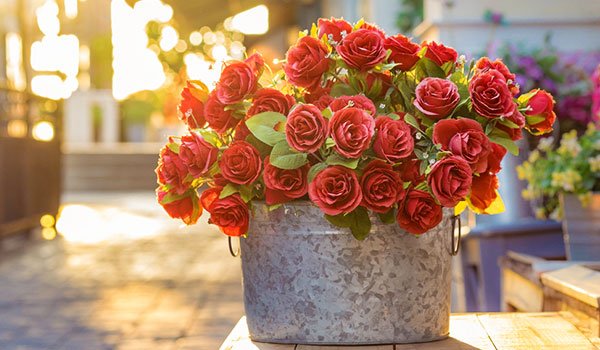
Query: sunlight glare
43, 131
252, 21
168, 38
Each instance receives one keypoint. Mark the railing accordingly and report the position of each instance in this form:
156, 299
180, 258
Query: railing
30, 160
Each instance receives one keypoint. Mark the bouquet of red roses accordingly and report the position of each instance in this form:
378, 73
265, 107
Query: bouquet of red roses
356, 121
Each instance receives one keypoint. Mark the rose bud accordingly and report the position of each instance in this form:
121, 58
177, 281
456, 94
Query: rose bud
450, 180
306, 62
230, 214
484, 64
256, 62
305, 128
172, 171
352, 130
187, 208
394, 140
284, 185
237, 80
436, 98
409, 171
219, 119
362, 49
418, 212
240, 163
514, 133
495, 157
381, 187
439, 53
333, 29
404, 51
490, 95
464, 138
192, 107
197, 154
483, 191
241, 131
541, 105
270, 100
335, 190
357, 101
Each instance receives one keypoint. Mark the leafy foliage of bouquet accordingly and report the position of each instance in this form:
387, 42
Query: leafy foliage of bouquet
357, 121
571, 168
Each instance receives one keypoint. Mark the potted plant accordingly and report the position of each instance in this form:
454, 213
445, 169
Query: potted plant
343, 174
565, 183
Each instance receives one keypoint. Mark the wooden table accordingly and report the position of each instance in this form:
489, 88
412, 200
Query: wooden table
539, 331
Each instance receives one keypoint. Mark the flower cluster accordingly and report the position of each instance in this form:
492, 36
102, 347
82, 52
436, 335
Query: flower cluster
572, 168
356, 122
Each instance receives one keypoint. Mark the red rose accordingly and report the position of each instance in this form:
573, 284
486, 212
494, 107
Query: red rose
394, 140
319, 97
240, 163
187, 208
464, 138
483, 191
191, 107
484, 64
335, 190
305, 128
352, 130
357, 101
497, 152
418, 212
373, 28
171, 170
450, 180
436, 98
284, 185
409, 171
439, 53
306, 62
381, 186
490, 95
217, 117
241, 131
270, 100
197, 154
403, 50
541, 105
362, 49
256, 62
230, 214
237, 80
334, 29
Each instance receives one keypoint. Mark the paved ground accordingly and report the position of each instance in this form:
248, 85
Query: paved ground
124, 277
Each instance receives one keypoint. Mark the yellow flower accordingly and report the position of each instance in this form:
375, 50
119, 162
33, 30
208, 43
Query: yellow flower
591, 128
569, 145
595, 164
546, 143
585, 199
534, 155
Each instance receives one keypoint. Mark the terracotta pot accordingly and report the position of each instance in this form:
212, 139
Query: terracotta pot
309, 282
581, 227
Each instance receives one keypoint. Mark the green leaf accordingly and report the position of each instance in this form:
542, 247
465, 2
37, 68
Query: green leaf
329, 142
210, 136
388, 217
534, 119
174, 147
336, 159
228, 190
284, 157
411, 120
246, 192
342, 89
427, 68
508, 123
275, 206
446, 67
263, 124
500, 137
327, 113
357, 220
171, 197
263, 149
314, 170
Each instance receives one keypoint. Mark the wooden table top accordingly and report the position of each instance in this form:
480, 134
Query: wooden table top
539, 331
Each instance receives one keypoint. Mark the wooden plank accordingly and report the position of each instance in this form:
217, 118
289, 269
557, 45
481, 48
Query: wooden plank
533, 331
521, 293
587, 326
466, 333
239, 339
575, 281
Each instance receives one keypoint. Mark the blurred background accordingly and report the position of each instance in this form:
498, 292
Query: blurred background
89, 91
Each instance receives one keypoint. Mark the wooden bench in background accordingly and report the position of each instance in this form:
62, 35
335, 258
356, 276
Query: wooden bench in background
547, 330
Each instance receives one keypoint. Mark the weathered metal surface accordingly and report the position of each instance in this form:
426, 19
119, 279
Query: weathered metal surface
307, 281
581, 226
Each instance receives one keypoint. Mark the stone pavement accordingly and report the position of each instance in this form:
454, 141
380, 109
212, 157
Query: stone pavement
124, 277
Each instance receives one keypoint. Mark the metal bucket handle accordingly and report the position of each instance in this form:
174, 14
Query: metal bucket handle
455, 245
231, 251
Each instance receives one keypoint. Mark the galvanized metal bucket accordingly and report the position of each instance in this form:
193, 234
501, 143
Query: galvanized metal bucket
309, 282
